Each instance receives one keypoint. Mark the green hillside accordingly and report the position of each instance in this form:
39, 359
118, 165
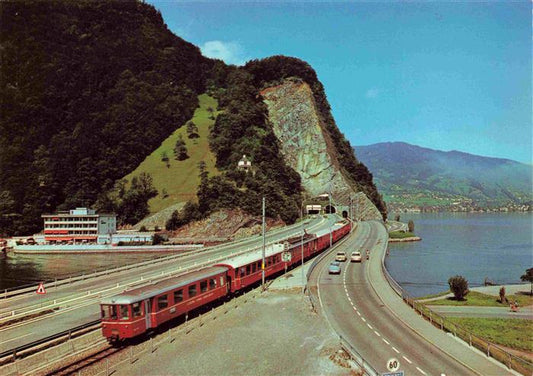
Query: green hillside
180, 179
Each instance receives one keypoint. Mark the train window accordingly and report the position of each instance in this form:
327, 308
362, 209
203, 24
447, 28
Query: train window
178, 296
203, 286
162, 302
243, 271
124, 312
248, 269
105, 312
221, 281
212, 283
254, 266
259, 265
136, 307
192, 291
114, 315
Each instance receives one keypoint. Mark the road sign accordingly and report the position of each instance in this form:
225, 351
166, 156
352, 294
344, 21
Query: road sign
40, 289
399, 373
393, 364
286, 256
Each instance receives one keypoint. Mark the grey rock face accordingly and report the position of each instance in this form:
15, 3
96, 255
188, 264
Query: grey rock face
307, 148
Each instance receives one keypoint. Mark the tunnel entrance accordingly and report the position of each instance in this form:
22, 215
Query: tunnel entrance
344, 214
330, 209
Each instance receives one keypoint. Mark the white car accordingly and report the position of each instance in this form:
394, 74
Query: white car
356, 257
340, 256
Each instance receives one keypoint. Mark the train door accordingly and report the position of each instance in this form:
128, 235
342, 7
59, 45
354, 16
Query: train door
148, 313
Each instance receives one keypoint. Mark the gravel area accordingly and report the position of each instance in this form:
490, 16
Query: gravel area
274, 334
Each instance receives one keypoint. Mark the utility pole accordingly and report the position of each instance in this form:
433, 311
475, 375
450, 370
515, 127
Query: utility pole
330, 234
263, 259
302, 245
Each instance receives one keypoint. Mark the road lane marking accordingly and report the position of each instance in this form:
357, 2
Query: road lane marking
379, 335
394, 348
408, 361
421, 371
362, 318
384, 340
370, 326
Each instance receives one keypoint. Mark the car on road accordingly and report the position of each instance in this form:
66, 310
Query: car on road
334, 268
356, 257
340, 256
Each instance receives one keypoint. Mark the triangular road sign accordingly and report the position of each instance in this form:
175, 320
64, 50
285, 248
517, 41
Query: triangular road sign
40, 289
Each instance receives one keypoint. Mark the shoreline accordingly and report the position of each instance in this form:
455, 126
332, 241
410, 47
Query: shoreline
401, 240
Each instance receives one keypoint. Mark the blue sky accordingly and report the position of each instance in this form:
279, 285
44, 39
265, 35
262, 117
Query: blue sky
443, 75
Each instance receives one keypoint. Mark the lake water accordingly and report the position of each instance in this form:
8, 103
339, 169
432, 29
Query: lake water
23, 269
497, 246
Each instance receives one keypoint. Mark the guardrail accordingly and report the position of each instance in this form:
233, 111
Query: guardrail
32, 287
17, 351
56, 356
366, 367
53, 304
512, 361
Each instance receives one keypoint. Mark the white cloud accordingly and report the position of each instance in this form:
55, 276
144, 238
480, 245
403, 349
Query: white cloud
229, 52
372, 93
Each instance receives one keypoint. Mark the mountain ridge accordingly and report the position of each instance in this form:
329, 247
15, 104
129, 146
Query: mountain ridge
411, 176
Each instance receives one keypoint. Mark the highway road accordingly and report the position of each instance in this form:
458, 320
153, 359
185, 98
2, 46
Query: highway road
356, 309
79, 301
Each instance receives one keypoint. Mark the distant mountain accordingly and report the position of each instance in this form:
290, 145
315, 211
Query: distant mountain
410, 176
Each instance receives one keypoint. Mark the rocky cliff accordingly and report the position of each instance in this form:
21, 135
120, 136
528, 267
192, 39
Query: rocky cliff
307, 147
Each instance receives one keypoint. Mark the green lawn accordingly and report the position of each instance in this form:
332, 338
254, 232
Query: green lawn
401, 235
514, 333
475, 298
180, 179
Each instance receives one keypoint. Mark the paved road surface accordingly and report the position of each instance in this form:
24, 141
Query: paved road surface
362, 307
489, 312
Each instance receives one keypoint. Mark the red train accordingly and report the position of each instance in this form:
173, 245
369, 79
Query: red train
136, 311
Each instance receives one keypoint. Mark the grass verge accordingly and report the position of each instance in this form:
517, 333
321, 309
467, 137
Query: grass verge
401, 235
513, 333
475, 298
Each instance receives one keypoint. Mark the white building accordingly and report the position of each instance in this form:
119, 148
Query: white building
80, 225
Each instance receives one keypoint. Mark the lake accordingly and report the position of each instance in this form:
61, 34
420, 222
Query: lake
497, 246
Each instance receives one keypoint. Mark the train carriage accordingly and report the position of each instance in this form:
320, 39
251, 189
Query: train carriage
133, 312
245, 270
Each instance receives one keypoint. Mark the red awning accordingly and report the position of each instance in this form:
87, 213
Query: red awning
68, 238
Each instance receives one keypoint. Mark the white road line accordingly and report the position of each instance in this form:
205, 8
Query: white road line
394, 348
359, 313
370, 326
422, 372
408, 361
355, 308
362, 318
384, 340
379, 335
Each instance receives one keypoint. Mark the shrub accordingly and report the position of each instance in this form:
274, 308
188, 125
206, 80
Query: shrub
459, 287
